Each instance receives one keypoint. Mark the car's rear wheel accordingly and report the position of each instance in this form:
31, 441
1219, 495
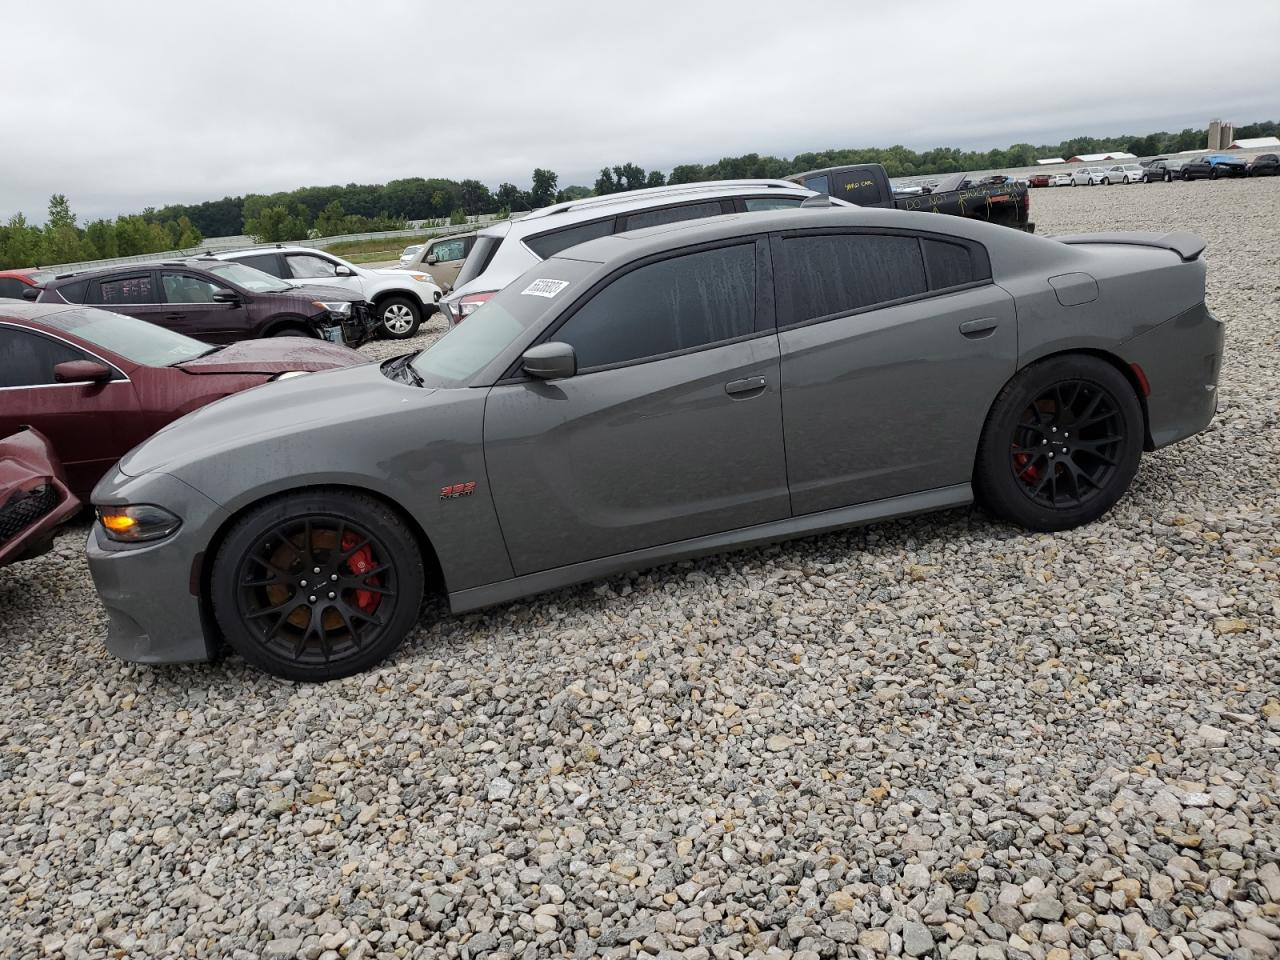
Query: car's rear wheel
317, 585
400, 318
1061, 444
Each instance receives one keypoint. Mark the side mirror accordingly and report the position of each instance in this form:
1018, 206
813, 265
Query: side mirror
225, 296
31, 293
341, 271
550, 361
81, 371
432, 258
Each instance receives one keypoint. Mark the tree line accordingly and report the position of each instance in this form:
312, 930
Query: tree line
62, 240
365, 208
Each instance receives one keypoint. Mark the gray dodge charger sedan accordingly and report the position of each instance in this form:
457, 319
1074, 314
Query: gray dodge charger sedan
651, 396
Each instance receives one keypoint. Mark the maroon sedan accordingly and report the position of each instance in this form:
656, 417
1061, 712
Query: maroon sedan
97, 383
33, 496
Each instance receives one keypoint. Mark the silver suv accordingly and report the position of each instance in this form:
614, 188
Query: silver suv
504, 251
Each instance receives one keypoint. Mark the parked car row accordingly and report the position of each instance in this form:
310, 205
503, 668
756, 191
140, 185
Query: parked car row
1210, 167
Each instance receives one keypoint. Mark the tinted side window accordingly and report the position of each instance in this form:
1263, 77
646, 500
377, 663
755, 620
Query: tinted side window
183, 288
950, 264
771, 203
857, 188
689, 301
266, 262
28, 359
11, 287
136, 289
447, 250
478, 260
655, 218
818, 184
304, 266
825, 275
549, 244
74, 292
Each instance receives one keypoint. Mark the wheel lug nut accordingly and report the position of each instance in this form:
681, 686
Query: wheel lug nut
333, 577
311, 599
332, 596
315, 570
302, 583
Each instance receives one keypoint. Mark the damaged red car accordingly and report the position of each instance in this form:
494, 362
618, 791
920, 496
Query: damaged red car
97, 384
33, 496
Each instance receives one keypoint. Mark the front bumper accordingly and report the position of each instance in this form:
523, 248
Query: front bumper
151, 590
352, 331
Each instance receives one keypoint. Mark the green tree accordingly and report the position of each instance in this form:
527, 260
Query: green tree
20, 243
276, 225
655, 179
60, 214
332, 220
458, 217
543, 191
102, 234
476, 197
511, 197
605, 183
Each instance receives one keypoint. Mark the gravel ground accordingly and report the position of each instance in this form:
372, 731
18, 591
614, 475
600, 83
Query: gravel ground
934, 737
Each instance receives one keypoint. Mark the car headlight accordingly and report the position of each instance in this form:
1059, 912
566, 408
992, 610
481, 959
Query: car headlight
421, 277
133, 524
289, 375
341, 308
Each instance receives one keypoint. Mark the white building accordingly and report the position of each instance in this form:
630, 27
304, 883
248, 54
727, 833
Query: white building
1099, 157
1051, 160
1255, 143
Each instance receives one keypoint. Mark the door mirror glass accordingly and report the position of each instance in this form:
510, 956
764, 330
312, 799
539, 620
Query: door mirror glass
81, 371
343, 271
550, 361
223, 295
432, 258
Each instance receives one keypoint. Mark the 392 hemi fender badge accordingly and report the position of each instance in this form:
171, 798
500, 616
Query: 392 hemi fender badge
458, 490
544, 288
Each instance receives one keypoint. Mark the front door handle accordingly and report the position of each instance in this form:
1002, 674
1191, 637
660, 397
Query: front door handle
175, 316
748, 385
979, 328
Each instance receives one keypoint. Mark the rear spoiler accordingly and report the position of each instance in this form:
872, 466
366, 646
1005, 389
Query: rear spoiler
1186, 245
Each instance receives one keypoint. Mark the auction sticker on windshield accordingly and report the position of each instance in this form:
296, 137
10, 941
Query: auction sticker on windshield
544, 288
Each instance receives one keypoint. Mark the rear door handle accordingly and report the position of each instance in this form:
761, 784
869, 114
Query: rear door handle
175, 316
979, 328
747, 385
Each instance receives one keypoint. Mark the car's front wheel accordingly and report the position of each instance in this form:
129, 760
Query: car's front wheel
317, 585
1061, 444
1106, 181
399, 317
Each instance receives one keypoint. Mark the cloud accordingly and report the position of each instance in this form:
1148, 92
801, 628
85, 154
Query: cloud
150, 103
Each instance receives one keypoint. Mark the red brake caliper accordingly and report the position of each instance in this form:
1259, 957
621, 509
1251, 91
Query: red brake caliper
1023, 472
358, 563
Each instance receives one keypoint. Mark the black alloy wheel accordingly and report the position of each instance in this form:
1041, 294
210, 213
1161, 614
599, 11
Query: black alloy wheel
1061, 444
317, 586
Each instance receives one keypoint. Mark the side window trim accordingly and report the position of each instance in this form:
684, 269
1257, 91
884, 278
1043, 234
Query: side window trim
982, 264
524, 241
764, 326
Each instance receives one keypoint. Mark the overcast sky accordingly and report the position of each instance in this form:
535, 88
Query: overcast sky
123, 106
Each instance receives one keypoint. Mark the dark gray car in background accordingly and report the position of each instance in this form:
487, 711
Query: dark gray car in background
652, 396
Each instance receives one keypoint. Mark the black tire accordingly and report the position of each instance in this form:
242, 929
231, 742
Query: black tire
1146, 178
1061, 444
291, 330
261, 593
1186, 176
398, 318
1168, 178
1106, 181
1213, 173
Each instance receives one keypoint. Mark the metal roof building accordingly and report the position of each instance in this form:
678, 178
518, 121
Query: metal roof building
1255, 143
1051, 160
1099, 157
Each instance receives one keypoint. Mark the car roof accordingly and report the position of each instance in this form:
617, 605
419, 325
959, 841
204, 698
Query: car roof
25, 310
591, 208
635, 244
190, 263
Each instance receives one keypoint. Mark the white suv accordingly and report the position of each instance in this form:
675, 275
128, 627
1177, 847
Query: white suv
504, 251
401, 300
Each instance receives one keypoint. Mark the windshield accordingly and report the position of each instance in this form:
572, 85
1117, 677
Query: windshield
255, 281
143, 343
480, 339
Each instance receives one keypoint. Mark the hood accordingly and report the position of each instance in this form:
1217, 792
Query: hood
316, 291
275, 355
274, 409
